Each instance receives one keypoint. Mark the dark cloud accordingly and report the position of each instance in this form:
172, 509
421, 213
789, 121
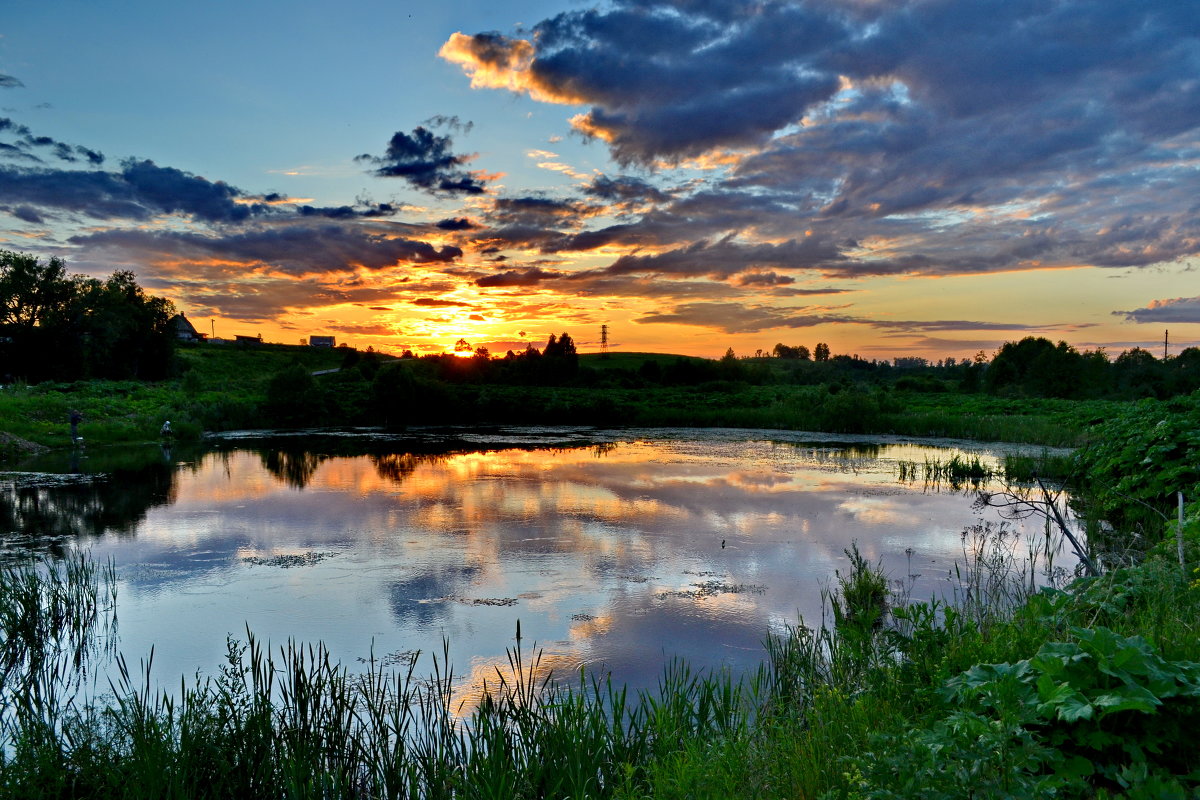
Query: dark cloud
295, 249
426, 161
27, 214
726, 257
456, 224
366, 210
139, 191
534, 209
762, 279
516, 277
1179, 309
433, 302
912, 138
172, 190
625, 190
9, 82
27, 141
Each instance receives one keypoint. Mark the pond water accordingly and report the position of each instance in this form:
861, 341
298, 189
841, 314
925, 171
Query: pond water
616, 550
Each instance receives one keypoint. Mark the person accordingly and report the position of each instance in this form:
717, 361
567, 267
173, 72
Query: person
76, 418
165, 431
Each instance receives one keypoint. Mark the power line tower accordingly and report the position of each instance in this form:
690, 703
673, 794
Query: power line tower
604, 341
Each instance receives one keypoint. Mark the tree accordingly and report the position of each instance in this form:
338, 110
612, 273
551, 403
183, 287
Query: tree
293, 397
31, 292
821, 353
71, 326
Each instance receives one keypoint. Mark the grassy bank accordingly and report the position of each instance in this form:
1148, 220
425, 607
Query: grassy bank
229, 388
999, 693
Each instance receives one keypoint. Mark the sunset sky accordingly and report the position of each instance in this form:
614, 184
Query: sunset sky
890, 177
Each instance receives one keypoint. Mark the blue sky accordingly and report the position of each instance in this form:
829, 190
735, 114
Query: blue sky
894, 178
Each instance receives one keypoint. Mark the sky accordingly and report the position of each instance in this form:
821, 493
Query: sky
893, 178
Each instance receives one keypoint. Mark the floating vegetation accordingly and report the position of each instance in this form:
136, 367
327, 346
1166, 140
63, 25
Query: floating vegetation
289, 560
714, 588
395, 659
480, 601
582, 618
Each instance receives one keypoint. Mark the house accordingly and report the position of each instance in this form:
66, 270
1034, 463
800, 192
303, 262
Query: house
248, 339
185, 330
322, 341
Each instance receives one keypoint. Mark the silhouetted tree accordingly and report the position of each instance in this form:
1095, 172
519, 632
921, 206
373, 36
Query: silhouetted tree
821, 353
69, 327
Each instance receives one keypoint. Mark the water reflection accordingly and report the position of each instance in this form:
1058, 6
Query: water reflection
616, 556
61, 498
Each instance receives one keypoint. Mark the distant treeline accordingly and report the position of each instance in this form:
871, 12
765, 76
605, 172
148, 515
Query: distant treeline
1032, 367
550, 385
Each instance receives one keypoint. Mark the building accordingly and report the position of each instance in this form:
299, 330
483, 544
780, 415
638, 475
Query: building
322, 341
248, 339
185, 330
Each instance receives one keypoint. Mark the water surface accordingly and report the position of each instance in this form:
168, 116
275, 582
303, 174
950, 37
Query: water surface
616, 551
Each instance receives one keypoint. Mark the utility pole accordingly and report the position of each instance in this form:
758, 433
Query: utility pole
604, 341
1165, 334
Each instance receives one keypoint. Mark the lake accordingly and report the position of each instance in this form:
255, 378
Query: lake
616, 550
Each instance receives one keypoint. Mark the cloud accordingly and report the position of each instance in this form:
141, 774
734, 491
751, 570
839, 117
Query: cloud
625, 190
26, 142
9, 82
514, 277
366, 210
296, 249
726, 257
433, 302
425, 160
456, 224
139, 191
1179, 309
536, 208
911, 138
739, 318
762, 279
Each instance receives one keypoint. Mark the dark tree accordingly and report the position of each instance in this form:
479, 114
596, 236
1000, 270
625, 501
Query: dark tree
821, 353
67, 327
